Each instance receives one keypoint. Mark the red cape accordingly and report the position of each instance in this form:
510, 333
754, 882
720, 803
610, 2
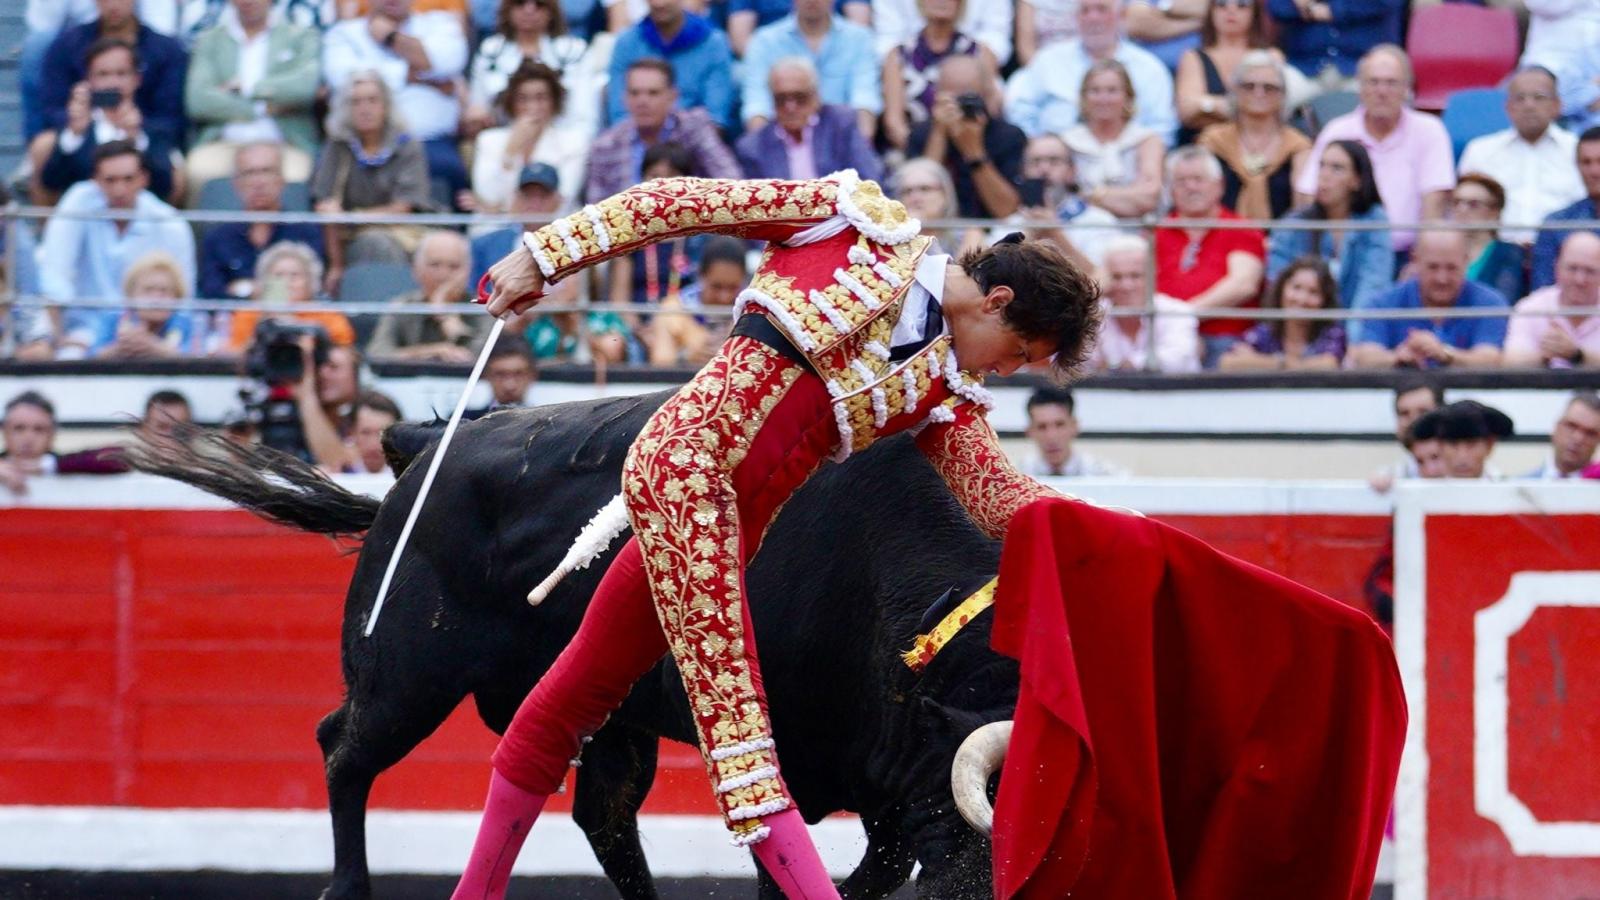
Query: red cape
1189, 725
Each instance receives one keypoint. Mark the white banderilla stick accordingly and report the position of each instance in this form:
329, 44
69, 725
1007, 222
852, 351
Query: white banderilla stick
433, 470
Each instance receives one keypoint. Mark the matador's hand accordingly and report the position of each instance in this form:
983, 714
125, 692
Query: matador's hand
518, 283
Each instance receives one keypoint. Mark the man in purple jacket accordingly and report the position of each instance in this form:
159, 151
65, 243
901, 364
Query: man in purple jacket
805, 139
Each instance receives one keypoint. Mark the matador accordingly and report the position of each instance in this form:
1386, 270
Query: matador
854, 327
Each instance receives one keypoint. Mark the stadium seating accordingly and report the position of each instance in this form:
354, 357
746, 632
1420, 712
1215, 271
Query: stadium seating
373, 283
218, 194
1459, 45
1473, 113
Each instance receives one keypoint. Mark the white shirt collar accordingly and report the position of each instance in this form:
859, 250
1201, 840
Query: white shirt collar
930, 273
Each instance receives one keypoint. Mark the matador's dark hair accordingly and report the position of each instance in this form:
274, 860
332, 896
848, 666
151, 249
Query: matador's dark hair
1053, 298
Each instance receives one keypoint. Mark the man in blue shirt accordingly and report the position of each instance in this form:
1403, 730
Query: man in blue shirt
847, 66
702, 64
1440, 258
229, 250
1548, 245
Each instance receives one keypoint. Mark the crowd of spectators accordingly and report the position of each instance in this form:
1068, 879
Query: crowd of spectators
1194, 123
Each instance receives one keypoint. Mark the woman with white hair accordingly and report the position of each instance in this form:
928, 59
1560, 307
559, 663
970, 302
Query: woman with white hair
1261, 156
286, 272
929, 194
1167, 341
369, 165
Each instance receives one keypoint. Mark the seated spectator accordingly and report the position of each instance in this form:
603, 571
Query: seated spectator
1478, 200
806, 139
1467, 432
286, 273
86, 259
1293, 344
372, 414
452, 335
1440, 260
929, 196
532, 103
549, 334
1561, 342
911, 69
1207, 268
1260, 154
144, 332
702, 64
419, 57
840, 50
1532, 159
534, 30
1045, 96
1412, 157
690, 339
650, 96
1048, 162
1345, 192
229, 250
101, 109
1118, 161
158, 94
1328, 41
252, 79
1125, 343
1573, 441
371, 164
1413, 398
898, 23
1228, 32
980, 149
1043, 23
1548, 244
1169, 29
1053, 428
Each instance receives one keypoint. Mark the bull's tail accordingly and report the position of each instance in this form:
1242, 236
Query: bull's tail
610, 521
273, 485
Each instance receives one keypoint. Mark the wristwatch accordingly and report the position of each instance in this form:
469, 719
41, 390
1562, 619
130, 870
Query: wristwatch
389, 39
1577, 356
974, 165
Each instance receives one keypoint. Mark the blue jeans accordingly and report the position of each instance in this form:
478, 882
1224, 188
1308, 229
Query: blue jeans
1213, 346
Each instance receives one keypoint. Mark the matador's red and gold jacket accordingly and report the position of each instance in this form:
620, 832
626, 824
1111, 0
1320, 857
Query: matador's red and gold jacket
838, 267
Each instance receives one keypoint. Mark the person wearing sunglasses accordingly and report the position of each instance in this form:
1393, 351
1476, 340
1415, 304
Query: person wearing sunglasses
1260, 154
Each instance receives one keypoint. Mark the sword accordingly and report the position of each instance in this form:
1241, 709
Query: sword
433, 464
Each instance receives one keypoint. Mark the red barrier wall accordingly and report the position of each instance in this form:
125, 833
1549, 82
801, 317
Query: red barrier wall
182, 658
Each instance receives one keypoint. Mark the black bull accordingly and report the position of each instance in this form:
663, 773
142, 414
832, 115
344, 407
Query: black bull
842, 584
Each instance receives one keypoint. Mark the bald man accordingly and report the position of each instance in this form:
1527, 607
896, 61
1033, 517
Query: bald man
440, 268
1561, 342
982, 151
1426, 342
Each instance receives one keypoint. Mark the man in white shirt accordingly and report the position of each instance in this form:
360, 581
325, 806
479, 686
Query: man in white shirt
1574, 440
420, 56
1042, 97
1053, 427
85, 258
1533, 158
1126, 342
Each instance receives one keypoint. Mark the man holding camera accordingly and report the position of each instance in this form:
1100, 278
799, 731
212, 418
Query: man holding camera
966, 133
100, 109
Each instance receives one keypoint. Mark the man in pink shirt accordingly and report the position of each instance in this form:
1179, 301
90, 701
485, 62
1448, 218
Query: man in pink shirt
1411, 154
1561, 342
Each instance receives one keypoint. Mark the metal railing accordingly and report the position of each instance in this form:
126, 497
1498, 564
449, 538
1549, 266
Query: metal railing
15, 215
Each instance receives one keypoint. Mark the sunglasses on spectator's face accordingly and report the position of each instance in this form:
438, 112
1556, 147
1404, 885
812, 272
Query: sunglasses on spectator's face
1236, 4
1267, 87
784, 98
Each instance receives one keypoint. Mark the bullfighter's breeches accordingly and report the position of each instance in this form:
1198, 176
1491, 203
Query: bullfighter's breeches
702, 482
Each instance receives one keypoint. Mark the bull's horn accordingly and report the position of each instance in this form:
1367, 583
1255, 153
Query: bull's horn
980, 756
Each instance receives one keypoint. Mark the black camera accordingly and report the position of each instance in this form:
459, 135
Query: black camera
274, 356
972, 106
276, 363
